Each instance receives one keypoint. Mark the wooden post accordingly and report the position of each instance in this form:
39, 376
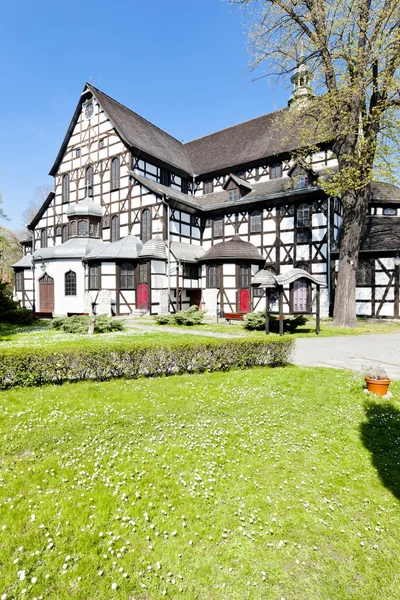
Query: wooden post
266, 311
396, 291
92, 321
317, 323
281, 310
177, 288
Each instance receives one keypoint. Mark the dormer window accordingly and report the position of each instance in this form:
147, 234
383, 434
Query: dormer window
300, 182
208, 187
233, 195
275, 171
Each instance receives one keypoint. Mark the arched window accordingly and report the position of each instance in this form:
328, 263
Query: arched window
126, 276
143, 272
58, 230
389, 211
94, 229
73, 228
65, 189
43, 238
115, 173
89, 181
70, 283
82, 228
213, 276
115, 228
146, 225
303, 215
94, 277
65, 233
243, 277
255, 221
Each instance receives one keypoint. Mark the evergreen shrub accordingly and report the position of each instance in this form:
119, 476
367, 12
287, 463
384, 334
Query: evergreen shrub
189, 317
256, 322
24, 367
80, 324
9, 309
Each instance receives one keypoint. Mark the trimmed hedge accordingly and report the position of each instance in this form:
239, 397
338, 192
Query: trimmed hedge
22, 367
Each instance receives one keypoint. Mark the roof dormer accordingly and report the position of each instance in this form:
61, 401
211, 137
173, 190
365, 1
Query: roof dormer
302, 177
236, 187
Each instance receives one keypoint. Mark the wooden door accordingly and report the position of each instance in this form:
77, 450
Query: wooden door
300, 296
46, 293
244, 301
195, 298
143, 296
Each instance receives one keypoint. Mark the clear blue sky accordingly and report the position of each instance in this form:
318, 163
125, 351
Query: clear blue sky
182, 64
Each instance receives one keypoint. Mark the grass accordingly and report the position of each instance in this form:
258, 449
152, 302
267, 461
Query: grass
365, 327
259, 484
41, 335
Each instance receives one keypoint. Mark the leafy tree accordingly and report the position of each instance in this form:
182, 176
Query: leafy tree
352, 48
40, 194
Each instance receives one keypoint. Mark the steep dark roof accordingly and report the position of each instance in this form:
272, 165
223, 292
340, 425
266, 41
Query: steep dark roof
138, 133
380, 233
235, 248
382, 193
41, 211
266, 136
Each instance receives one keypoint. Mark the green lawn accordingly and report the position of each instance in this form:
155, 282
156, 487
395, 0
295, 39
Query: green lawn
41, 335
262, 484
365, 327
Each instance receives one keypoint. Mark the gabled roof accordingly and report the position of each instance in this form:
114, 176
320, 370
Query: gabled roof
238, 180
264, 137
41, 211
138, 134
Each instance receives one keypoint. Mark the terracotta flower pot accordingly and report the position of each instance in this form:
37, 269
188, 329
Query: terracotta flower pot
377, 386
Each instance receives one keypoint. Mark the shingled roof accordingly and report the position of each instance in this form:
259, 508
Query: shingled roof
235, 248
380, 233
384, 193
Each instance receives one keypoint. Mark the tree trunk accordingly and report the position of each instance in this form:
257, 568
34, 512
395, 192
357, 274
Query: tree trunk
355, 206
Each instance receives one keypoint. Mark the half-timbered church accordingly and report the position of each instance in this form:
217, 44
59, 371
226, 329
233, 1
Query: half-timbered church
139, 222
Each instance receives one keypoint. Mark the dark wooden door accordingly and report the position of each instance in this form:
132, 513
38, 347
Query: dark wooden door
195, 298
244, 301
143, 296
46, 293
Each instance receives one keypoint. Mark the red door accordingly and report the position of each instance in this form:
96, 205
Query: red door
143, 296
244, 301
46, 293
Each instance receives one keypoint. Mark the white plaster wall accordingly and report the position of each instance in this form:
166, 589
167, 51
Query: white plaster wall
57, 269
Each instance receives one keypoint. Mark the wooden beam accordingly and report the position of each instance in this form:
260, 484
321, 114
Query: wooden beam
266, 311
281, 310
317, 323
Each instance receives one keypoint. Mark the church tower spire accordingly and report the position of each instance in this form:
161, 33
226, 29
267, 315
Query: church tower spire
302, 91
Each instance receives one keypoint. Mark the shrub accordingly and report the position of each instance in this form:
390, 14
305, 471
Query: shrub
9, 309
22, 367
165, 319
189, 317
18, 316
256, 322
80, 324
